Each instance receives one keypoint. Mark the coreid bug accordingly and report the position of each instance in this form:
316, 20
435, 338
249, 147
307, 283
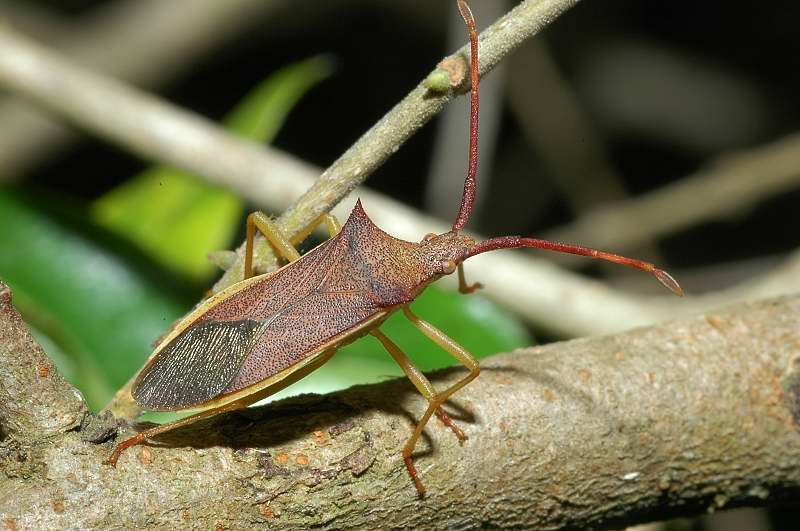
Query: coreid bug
266, 332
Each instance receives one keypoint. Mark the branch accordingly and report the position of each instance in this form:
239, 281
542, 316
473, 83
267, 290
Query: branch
35, 401
697, 415
145, 42
138, 121
782, 279
400, 123
736, 181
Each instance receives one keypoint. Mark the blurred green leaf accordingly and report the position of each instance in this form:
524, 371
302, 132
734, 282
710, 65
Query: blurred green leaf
176, 217
93, 303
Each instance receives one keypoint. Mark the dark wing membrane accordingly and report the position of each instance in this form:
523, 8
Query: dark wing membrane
197, 365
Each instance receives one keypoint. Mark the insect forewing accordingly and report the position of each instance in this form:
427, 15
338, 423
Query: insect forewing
198, 365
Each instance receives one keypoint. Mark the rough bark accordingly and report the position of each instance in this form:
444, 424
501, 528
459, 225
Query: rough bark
35, 401
696, 415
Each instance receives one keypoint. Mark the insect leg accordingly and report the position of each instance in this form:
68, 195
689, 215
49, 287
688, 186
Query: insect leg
424, 387
284, 247
142, 436
274, 236
463, 287
419, 380
450, 346
331, 224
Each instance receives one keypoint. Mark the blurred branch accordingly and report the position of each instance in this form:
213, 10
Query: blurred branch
733, 183
783, 279
148, 42
34, 19
445, 181
676, 420
140, 122
556, 127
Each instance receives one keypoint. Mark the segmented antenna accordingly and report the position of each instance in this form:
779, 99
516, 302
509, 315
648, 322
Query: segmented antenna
468, 199
515, 242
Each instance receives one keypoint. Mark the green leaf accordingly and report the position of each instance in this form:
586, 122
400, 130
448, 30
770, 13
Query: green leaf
177, 218
101, 310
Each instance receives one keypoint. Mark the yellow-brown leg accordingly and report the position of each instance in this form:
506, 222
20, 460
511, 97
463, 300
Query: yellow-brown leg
462, 355
422, 384
435, 400
241, 403
463, 287
140, 437
283, 246
331, 224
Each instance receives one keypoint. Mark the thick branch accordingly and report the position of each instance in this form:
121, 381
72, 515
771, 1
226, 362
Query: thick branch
679, 419
35, 401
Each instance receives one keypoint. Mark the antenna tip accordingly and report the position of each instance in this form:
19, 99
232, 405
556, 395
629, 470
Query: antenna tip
669, 282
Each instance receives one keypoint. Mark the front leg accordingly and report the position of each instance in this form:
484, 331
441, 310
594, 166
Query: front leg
463, 287
284, 246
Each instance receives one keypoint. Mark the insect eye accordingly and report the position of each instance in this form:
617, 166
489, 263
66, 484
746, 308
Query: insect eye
428, 237
448, 266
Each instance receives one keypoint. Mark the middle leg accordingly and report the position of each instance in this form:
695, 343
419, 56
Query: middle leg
423, 385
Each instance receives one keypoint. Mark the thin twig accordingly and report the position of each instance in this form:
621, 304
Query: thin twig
558, 130
402, 121
159, 131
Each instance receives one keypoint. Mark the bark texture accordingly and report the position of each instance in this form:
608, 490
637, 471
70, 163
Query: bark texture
35, 401
683, 418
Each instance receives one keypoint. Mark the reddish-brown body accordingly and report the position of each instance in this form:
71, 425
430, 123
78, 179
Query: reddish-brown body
284, 317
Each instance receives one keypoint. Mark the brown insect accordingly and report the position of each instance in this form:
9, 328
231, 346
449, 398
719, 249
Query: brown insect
266, 332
